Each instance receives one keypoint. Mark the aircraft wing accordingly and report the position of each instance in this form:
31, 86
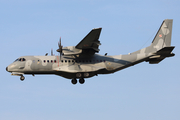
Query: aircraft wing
90, 43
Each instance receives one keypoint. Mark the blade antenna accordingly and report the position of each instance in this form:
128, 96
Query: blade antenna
51, 52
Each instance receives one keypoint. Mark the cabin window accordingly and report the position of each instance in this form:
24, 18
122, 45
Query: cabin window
51, 61
72, 60
48, 61
44, 61
69, 61
61, 60
55, 61
65, 60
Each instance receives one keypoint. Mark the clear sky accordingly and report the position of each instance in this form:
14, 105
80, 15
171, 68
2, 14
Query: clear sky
141, 92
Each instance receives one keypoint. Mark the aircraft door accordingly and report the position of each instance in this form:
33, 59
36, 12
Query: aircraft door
35, 64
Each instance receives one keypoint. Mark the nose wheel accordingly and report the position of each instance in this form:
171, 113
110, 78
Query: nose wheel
22, 78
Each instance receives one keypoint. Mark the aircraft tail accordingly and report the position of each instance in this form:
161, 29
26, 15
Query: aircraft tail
161, 44
163, 36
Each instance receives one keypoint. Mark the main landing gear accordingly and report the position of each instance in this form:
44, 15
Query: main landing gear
74, 81
81, 80
81, 77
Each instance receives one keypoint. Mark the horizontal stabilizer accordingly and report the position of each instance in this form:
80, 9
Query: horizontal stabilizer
166, 51
161, 55
156, 60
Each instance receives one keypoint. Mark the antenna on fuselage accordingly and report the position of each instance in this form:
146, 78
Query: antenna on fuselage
52, 52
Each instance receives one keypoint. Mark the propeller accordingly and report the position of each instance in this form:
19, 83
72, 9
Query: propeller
60, 48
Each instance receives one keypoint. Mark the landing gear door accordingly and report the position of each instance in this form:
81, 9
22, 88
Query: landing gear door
109, 65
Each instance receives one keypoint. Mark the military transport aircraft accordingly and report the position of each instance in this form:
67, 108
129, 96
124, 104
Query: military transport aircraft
81, 61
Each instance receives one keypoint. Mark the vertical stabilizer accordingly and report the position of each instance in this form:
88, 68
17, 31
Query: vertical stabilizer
163, 36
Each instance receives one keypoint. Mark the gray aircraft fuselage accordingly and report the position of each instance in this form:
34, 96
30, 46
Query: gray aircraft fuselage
68, 67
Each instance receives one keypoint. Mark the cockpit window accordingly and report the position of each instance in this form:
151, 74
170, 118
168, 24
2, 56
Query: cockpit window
24, 59
20, 59
16, 60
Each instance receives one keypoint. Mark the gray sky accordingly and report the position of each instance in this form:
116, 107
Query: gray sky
141, 92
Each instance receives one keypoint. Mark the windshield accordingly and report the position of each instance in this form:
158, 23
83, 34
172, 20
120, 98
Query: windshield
16, 60
20, 59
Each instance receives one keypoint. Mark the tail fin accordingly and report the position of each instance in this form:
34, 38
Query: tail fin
161, 40
161, 45
163, 36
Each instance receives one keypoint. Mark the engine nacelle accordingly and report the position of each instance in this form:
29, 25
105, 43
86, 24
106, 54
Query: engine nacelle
71, 50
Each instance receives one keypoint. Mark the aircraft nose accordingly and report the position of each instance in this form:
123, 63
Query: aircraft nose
6, 68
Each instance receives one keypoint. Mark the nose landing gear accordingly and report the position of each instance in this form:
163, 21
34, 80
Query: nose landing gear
22, 78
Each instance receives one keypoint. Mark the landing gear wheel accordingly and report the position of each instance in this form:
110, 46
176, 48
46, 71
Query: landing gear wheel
81, 80
22, 78
78, 75
86, 74
74, 81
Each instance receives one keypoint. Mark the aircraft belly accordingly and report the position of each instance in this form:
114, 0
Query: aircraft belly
79, 68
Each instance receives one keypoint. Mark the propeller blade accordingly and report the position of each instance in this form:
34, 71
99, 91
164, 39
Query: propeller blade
60, 48
60, 55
